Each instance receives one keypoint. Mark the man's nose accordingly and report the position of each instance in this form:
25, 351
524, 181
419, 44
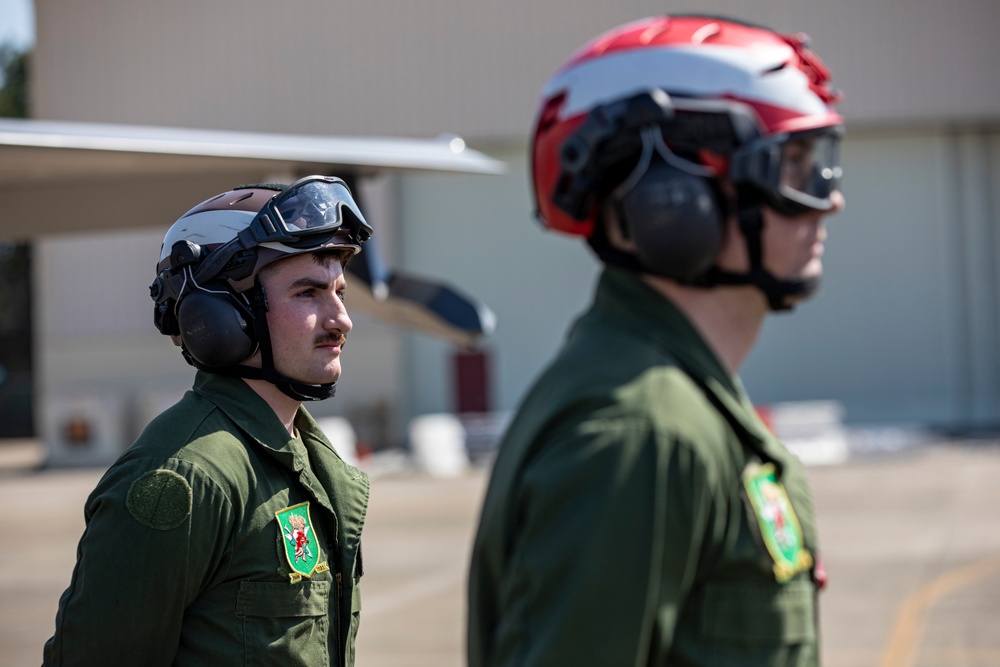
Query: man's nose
838, 201
337, 318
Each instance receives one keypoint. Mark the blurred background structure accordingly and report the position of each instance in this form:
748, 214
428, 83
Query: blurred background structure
904, 331
903, 334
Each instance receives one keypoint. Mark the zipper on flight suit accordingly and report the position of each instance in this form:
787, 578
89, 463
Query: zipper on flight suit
341, 649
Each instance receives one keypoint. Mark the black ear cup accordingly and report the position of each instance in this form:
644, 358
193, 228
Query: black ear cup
213, 330
675, 219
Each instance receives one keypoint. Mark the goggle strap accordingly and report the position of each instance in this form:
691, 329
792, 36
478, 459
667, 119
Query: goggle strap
776, 290
267, 223
212, 265
752, 225
258, 302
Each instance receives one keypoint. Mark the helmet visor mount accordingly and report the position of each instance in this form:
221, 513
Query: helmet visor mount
796, 172
308, 212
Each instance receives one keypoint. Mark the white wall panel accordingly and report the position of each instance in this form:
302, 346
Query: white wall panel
904, 328
480, 232
976, 164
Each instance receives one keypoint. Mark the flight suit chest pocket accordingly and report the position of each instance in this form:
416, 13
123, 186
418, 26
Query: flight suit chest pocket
285, 623
760, 613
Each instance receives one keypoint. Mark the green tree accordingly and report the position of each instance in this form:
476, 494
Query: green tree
16, 376
14, 75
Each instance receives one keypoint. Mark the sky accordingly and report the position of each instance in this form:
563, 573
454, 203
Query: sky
17, 22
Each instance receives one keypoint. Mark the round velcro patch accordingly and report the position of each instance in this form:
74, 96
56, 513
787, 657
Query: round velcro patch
160, 499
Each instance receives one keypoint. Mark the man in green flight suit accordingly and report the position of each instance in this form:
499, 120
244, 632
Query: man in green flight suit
229, 533
639, 512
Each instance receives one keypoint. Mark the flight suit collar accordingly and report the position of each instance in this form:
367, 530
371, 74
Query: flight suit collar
255, 418
652, 316
249, 412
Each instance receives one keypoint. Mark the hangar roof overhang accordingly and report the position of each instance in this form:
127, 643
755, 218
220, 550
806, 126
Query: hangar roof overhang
52, 160
38, 149
60, 177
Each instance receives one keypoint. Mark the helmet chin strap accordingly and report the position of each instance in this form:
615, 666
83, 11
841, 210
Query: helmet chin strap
781, 293
300, 391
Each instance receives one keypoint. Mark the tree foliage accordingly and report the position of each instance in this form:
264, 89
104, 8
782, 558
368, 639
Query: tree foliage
16, 376
14, 75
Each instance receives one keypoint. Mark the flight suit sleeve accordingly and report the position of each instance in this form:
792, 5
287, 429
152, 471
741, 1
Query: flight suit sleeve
611, 518
154, 538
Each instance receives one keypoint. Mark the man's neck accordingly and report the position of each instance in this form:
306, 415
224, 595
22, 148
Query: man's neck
284, 406
728, 318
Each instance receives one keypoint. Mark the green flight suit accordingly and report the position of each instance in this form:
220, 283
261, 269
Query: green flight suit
617, 528
183, 560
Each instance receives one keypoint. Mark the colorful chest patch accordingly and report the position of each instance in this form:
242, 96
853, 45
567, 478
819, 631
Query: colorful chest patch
298, 538
778, 524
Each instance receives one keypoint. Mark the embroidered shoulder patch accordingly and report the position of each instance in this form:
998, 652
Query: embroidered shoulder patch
159, 499
297, 535
778, 524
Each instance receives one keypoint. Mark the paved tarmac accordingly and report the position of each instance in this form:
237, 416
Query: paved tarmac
911, 543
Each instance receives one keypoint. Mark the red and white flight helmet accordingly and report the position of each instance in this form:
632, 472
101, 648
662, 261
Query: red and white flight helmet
774, 78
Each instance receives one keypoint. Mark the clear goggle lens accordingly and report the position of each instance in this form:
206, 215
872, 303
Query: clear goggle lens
309, 207
810, 166
796, 172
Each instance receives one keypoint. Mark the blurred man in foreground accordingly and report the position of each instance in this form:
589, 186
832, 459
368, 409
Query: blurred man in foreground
639, 512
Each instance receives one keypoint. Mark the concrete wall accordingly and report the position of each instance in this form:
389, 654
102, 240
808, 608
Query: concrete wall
421, 68
904, 329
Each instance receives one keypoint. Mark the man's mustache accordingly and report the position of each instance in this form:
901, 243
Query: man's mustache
332, 339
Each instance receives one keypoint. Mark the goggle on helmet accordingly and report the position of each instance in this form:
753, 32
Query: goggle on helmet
308, 212
729, 99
